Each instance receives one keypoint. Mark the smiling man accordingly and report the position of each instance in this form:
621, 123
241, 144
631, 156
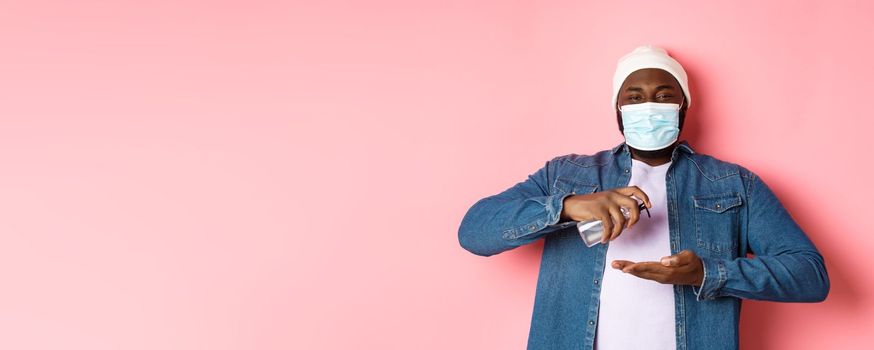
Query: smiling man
715, 233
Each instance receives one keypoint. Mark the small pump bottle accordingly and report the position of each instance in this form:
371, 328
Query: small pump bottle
592, 230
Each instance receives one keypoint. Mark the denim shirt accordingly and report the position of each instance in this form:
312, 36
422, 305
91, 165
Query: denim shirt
750, 246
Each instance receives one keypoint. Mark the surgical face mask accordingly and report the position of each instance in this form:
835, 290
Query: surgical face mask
650, 126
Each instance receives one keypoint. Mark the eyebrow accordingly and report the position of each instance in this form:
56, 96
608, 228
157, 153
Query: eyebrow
660, 87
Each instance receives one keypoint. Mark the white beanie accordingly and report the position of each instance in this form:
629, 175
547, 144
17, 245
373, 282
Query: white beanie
648, 56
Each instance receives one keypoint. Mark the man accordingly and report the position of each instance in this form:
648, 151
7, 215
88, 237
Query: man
673, 279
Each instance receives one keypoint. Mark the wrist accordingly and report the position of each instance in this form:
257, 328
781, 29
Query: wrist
563, 216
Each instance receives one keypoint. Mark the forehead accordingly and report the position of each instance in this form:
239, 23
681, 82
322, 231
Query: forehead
650, 76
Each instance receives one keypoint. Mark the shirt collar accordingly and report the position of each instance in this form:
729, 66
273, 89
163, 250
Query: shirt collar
683, 146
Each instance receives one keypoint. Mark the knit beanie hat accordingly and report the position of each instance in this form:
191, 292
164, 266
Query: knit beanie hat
648, 56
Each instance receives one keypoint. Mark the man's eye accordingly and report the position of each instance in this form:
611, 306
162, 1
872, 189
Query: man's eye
634, 98
665, 96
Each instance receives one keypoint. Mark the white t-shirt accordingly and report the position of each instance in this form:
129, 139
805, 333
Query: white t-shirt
637, 313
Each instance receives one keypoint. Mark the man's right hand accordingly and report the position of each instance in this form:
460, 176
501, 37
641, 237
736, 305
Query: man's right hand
605, 206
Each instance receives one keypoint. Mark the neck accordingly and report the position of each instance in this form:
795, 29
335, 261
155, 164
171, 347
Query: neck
655, 157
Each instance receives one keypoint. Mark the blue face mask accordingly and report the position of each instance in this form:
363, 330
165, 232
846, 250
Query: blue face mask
650, 125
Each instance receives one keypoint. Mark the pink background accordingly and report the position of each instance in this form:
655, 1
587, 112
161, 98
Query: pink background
266, 175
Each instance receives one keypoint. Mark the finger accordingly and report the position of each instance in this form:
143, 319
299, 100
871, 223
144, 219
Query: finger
633, 211
649, 270
651, 276
606, 224
619, 264
648, 266
672, 260
682, 258
619, 222
637, 192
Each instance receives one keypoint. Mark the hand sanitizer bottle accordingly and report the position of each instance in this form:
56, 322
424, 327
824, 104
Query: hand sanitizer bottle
592, 230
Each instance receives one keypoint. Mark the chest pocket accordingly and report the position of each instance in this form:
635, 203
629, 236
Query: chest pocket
563, 185
717, 218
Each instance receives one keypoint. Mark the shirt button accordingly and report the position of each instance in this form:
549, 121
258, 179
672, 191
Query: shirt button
626, 170
591, 322
596, 281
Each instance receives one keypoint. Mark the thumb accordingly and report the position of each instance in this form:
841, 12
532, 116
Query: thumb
669, 260
619, 264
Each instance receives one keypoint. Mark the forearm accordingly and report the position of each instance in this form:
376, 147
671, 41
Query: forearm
495, 224
790, 277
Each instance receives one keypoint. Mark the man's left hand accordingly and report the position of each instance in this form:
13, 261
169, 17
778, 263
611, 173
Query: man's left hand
682, 268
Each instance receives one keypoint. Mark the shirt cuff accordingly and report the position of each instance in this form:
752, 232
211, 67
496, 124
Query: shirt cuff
553, 205
714, 279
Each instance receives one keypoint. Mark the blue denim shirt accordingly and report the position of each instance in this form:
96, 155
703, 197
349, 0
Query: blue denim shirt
720, 210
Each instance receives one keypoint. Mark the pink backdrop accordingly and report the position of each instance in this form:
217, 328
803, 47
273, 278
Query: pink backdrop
259, 175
